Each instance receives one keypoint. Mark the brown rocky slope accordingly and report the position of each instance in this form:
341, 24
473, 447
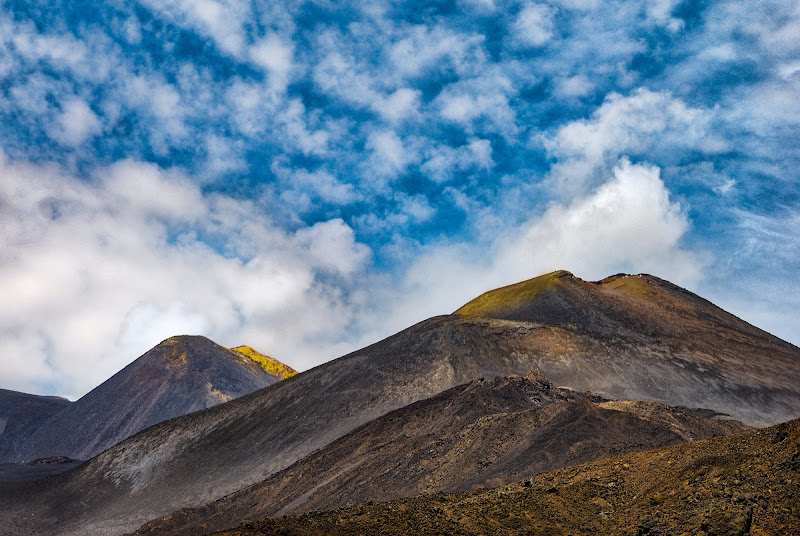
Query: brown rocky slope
738, 485
476, 435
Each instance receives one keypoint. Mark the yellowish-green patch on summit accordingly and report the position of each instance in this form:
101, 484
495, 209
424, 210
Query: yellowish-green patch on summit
507, 298
269, 364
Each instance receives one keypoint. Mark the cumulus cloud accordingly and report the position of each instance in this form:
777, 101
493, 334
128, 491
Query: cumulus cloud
422, 48
643, 122
401, 104
390, 156
442, 162
533, 26
659, 12
274, 55
480, 104
629, 224
76, 123
221, 20
96, 273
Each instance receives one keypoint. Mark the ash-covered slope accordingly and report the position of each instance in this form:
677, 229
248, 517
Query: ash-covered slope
638, 337
181, 375
194, 459
20, 414
737, 485
709, 359
480, 434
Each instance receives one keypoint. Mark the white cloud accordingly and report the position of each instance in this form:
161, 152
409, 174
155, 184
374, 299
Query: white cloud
480, 102
767, 107
627, 224
416, 207
480, 6
222, 20
250, 106
224, 155
389, 156
573, 86
324, 185
443, 161
579, 4
275, 56
339, 74
149, 322
644, 122
132, 30
76, 123
533, 26
659, 12
331, 245
296, 132
401, 104
789, 70
93, 271
439, 48
59, 50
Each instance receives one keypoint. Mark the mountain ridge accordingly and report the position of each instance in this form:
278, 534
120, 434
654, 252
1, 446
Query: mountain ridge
179, 375
198, 458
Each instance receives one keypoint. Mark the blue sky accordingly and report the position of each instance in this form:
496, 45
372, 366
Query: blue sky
308, 177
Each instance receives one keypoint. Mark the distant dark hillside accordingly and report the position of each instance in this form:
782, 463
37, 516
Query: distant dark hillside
736, 485
20, 414
481, 434
180, 375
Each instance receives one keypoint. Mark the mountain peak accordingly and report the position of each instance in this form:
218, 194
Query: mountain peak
180, 375
269, 364
510, 297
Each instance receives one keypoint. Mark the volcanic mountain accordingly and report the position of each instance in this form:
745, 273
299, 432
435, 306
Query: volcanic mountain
20, 413
626, 337
476, 435
737, 485
638, 337
181, 375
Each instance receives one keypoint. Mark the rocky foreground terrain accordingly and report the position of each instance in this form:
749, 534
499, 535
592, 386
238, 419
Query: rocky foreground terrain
743, 484
481, 434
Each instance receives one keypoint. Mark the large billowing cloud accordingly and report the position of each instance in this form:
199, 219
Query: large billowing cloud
306, 177
627, 224
96, 273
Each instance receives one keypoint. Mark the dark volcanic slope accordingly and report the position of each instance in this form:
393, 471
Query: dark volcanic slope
708, 358
20, 414
643, 338
481, 434
734, 485
197, 458
180, 375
